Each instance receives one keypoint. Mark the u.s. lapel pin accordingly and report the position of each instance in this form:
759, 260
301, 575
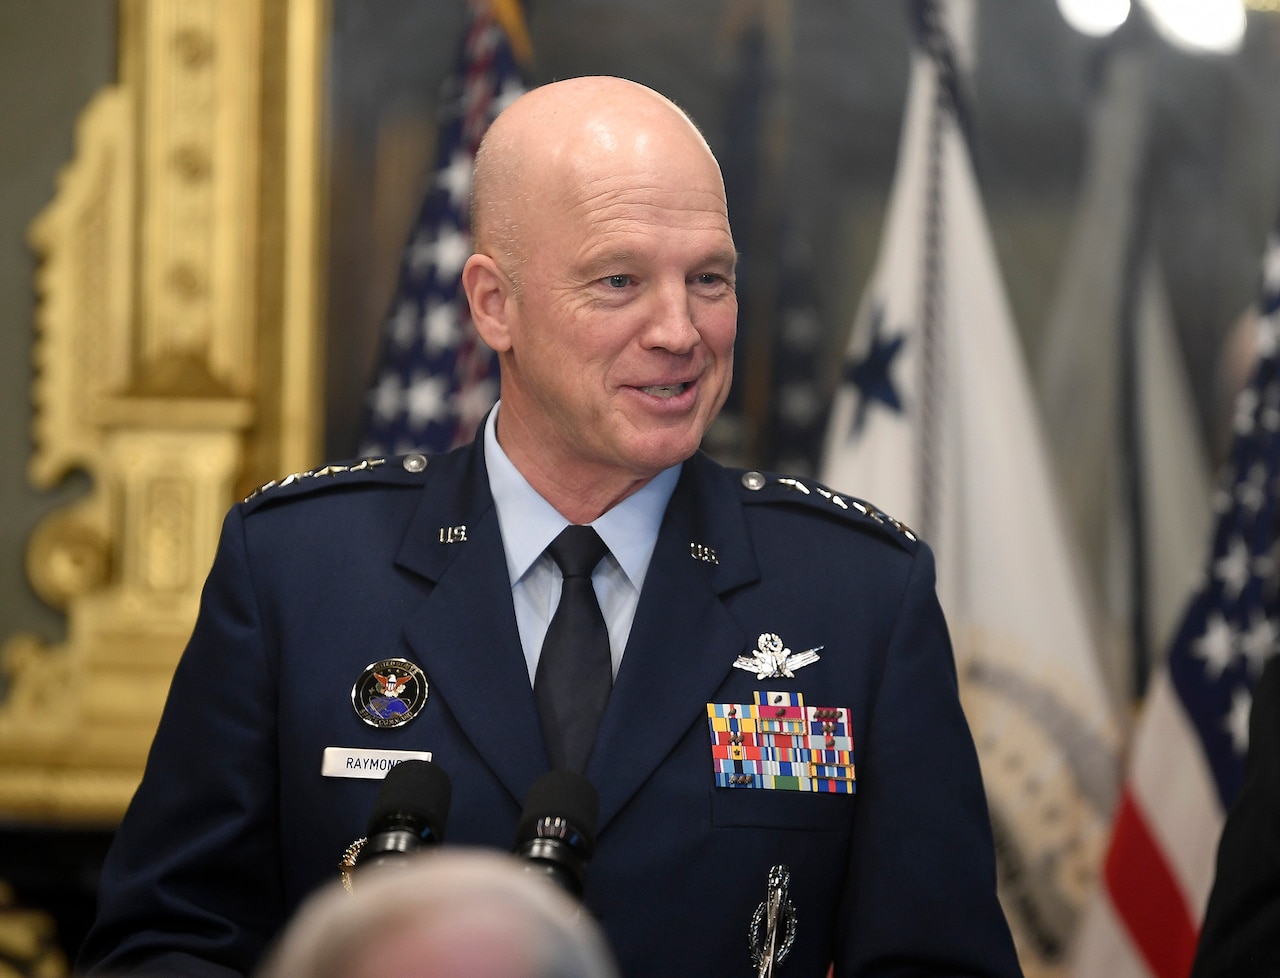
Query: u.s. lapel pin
771, 659
453, 534
389, 692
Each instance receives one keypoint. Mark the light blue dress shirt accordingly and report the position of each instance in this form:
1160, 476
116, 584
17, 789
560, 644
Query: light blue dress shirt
529, 523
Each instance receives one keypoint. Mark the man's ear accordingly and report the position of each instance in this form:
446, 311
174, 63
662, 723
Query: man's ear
488, 291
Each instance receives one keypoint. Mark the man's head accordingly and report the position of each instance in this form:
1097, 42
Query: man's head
451, 914
604, 278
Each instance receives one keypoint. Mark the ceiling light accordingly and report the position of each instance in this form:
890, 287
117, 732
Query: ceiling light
1097, 18
1214, 26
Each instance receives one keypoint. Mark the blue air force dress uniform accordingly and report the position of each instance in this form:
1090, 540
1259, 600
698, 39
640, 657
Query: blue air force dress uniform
787, 697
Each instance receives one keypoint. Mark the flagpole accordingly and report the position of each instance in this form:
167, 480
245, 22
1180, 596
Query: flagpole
1136, 34
756, 36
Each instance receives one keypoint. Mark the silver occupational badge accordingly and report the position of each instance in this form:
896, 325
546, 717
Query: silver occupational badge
773, 660
773, 925
389, 693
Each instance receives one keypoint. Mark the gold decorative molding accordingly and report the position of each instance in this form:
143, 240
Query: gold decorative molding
177, 364
28, 948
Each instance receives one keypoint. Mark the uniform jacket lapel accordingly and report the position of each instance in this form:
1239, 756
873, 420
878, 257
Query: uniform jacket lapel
683, 641
464, 634
682, 644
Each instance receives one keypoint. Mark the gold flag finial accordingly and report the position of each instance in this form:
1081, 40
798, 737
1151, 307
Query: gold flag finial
510, 15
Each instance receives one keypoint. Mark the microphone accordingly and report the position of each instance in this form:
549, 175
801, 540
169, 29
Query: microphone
557, 830
409, 813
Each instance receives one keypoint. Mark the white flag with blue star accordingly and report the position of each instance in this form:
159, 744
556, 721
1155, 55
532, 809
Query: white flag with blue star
935, 423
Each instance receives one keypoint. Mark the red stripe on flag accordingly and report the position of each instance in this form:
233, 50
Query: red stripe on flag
1147, 897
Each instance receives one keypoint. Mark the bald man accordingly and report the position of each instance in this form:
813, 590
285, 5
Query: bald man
457, 914
752, 670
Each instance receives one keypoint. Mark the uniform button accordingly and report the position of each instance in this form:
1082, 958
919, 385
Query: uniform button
415, 462
753, 480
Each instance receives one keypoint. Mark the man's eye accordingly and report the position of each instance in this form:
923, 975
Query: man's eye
618, 281
712, 280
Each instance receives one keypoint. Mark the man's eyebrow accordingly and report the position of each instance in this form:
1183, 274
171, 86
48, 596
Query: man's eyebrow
597, 264
729, 258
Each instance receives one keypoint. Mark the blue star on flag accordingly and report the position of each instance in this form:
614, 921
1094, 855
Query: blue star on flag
871, 374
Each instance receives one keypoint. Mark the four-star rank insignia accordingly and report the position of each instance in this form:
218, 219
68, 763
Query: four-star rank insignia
389, 693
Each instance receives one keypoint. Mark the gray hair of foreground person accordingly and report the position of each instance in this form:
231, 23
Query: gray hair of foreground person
444, 914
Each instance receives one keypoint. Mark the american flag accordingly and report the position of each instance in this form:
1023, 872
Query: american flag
435, 378
1188, 757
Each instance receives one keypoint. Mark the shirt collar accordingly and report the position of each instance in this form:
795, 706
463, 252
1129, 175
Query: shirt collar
529, 523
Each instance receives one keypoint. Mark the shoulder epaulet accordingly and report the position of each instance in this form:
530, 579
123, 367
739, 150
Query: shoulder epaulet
407, 470
768, 488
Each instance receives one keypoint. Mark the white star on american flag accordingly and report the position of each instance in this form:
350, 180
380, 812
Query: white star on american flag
441, 322
1246, 405
1237, 719
385, 397
1252, 492
404, 325
1216, 646
1259, 642
450, 252
426, 399
1233, 568
456, 179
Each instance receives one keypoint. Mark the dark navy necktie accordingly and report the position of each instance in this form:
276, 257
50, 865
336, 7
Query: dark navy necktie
575, 673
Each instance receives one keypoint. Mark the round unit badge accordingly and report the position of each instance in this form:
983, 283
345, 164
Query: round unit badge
389, 693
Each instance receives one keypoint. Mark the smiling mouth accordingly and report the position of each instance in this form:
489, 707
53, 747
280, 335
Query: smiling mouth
665, 390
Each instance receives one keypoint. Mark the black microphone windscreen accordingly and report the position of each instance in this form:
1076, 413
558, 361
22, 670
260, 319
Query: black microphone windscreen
418, 788
566, 795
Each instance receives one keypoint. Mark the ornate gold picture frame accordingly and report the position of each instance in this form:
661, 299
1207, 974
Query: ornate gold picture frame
178, 363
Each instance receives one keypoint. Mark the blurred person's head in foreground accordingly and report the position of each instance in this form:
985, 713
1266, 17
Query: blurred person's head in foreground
451, 914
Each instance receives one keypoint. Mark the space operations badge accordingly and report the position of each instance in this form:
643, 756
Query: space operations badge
778, 743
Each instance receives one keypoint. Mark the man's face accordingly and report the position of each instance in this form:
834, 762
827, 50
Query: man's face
622, 335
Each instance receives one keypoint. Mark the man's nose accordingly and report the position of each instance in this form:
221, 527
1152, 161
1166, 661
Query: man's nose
673, 323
